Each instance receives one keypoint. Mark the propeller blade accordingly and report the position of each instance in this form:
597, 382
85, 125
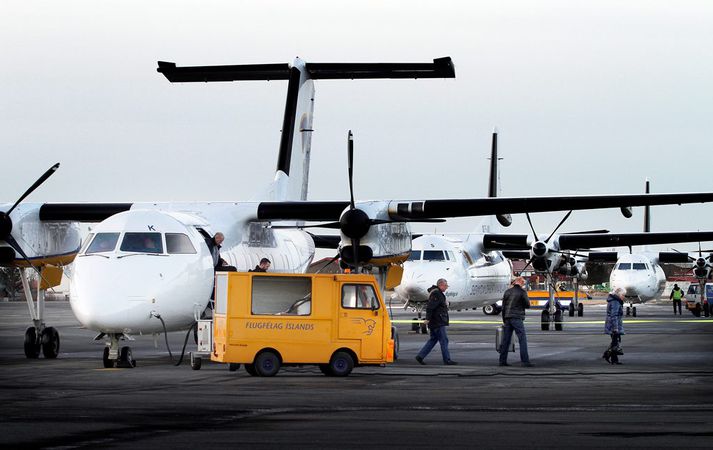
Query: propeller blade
558, 226
350, 162
700, 253
37, 183
529, 263
336, 257
602, 231
529, 220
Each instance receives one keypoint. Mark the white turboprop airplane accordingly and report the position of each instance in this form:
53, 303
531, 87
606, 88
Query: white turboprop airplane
476, 277
156, 253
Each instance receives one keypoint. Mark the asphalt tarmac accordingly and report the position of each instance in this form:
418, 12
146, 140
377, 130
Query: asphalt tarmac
660, 397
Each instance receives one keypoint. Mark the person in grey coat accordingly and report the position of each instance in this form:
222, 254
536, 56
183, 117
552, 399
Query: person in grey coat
515, 302
614, 325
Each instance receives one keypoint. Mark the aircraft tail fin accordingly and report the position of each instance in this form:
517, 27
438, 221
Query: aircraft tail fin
292, 173
647, 213
494, 179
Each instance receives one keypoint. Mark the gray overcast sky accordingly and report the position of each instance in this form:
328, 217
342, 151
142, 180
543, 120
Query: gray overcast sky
589, 97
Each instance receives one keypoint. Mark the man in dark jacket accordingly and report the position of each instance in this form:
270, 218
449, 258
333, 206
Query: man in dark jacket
263, 266
437, 321
515, 302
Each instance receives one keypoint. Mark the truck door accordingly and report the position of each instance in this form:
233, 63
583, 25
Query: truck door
362, 318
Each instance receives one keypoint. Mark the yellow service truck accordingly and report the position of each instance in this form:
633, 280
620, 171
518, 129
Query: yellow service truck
269, 320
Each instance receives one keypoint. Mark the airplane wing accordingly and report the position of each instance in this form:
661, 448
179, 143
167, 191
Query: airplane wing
579, 241
447, 208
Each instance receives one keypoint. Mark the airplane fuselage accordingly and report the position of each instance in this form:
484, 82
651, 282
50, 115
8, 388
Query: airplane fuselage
640, 275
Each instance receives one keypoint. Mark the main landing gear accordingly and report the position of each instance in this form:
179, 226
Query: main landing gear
631, 310
117, 357
38, 338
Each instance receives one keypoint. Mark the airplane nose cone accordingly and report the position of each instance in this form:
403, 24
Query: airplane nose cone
115, 295
412, 289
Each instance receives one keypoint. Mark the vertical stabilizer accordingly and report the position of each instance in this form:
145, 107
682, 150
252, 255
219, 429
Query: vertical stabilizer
493, 185
647, 213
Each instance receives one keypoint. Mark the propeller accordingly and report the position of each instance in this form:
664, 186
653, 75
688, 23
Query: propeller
6, 221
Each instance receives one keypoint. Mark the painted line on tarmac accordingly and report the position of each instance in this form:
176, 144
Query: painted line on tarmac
584, 322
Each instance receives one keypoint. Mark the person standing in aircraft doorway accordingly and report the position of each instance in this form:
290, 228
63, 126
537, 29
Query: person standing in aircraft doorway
614, 325
676, 296
437, 321
219, 264
262, 267
515, 302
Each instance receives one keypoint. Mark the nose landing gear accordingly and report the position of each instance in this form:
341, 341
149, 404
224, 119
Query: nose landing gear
115, 357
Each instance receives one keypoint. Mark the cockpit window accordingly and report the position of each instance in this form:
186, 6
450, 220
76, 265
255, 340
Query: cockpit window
142, 242
103, 242
415, 255
179, 243
624, 266
86, 242
639, 266
433, 255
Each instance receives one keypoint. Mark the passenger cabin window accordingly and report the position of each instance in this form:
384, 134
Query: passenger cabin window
359, 296
415, 255
639, 266
179, 244
281, 296
142, 243
624, 266
433, 255
103, 242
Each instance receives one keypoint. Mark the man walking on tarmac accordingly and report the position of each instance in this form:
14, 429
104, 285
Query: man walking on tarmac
515, 302
437, 321
676, 296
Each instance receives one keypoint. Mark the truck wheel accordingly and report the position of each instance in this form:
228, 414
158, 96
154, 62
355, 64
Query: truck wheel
267, 364
250, 368
545, 321
341, 364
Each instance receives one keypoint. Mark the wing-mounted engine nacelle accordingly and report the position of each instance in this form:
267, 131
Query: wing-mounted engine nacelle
545, 257
572, 268
701, 268
381, 239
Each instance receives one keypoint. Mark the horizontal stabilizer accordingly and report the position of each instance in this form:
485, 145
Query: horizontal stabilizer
505, 242
439, 68
514, 254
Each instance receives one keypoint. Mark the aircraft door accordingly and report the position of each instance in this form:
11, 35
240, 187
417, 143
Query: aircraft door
361, 318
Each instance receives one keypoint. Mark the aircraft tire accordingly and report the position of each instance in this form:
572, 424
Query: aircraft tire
108, 363
267, 364
558, 321
50, 342
414, 325
341, 364
233, 367
633, 311
489, 310
545, 321
571, 310
126, 358
196, 362
628, 311
32, 347
580, 310
424, 328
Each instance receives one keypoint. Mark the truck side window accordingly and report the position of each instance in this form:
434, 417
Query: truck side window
359, 296
281, 296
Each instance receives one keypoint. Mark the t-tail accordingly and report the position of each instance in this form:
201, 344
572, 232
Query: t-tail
292, 172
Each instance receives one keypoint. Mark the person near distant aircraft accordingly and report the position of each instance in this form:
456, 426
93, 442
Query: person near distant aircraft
614, 325
676, 296
437, 321
263, 266
515, 302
